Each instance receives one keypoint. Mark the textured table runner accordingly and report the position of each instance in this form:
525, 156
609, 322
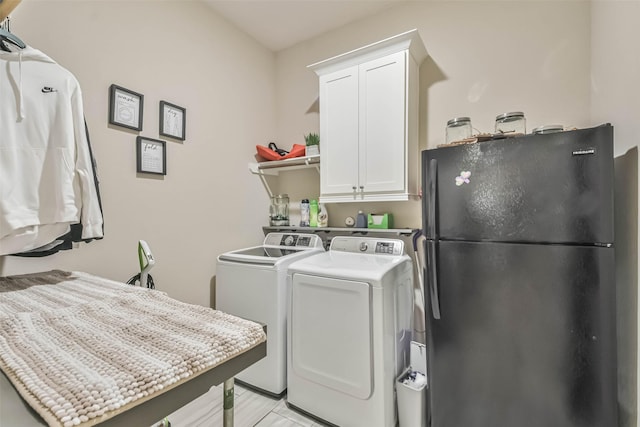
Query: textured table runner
80, 348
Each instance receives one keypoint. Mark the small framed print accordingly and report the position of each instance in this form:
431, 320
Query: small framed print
151, 155
172, 120
125, 107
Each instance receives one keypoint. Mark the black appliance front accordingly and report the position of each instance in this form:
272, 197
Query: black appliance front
537, 188
526, 336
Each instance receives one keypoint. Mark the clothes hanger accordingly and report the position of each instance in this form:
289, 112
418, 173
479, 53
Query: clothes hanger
6, 7
6, 36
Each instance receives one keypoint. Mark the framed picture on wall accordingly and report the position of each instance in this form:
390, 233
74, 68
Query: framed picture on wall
172, 120
125, 107
151, 156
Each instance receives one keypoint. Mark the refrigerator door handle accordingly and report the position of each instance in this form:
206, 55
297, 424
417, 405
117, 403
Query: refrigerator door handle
432, 277
432, 213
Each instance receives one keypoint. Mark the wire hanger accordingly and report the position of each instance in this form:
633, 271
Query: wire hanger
7, 36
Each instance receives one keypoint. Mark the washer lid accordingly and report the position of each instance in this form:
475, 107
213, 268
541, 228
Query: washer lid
269, 255
277, 248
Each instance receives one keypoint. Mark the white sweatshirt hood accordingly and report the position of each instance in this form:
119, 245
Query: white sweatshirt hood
20, 55
44, 151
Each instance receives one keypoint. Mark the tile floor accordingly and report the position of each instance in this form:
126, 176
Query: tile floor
251, 410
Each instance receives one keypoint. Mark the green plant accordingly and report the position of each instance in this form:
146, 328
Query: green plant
312, 139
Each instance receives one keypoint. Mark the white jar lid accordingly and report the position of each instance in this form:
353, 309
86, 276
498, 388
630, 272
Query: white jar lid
547, 129
458, 121
512, 115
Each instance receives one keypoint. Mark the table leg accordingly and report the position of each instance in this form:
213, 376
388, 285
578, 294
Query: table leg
228, 403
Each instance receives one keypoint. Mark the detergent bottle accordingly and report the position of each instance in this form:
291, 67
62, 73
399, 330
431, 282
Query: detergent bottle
313, 213
323, 215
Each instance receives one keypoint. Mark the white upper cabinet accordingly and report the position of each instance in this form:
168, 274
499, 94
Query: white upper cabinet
369, 121
339, 131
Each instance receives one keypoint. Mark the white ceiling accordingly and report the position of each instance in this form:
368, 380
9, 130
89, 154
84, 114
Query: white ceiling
279, 24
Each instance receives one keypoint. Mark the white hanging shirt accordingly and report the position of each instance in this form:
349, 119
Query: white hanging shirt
46, 175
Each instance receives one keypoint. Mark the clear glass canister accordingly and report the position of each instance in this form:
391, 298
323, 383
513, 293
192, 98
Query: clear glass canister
279, 210
513, 122
458, 128
547, 129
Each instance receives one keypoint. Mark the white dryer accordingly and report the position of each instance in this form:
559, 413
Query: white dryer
349, 330
252, 283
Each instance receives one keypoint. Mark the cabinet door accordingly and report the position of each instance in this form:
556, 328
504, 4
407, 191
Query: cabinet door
382, 126
339, 132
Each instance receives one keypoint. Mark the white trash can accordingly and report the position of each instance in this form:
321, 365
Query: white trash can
411, 390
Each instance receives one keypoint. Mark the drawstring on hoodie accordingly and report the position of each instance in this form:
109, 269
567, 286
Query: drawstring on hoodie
20, 97
21, 81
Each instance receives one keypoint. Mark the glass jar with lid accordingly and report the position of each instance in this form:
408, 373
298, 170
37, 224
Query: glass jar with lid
547, 129
458, 128
513, 122
279, 210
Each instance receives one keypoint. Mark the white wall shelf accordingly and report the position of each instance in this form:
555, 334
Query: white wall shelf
274, 167
328, 233
341, 230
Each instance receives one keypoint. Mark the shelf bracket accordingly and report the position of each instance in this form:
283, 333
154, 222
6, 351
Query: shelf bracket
266, 185
273, 168
256, 170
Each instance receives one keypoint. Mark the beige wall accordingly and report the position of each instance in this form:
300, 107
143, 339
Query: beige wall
572, 63
181, 52
569, 63
615, 68
486, 58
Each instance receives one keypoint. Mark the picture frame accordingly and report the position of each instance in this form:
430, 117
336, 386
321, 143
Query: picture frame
173, 120
125, 107
151, 156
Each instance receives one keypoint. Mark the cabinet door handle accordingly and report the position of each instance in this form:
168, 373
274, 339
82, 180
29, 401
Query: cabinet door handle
362, 188
354, 188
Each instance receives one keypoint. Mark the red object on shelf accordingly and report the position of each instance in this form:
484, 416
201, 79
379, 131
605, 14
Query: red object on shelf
267, 153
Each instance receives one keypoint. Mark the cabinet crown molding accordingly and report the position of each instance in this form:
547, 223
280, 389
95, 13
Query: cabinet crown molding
409, 40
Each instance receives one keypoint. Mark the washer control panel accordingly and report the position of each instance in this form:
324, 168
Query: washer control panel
367, 245
386, 248
299, 240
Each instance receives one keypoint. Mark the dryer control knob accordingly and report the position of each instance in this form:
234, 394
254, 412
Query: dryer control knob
364, 246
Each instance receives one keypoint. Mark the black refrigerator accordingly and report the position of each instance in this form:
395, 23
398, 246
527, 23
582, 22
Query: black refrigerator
520, 281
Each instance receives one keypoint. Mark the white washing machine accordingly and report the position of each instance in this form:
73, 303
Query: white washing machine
252, 283
349, 331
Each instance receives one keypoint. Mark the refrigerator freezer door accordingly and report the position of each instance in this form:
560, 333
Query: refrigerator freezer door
526, 336
536, 188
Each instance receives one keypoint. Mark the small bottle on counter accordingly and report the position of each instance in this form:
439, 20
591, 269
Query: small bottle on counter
313, 213
361, 220
304, 213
